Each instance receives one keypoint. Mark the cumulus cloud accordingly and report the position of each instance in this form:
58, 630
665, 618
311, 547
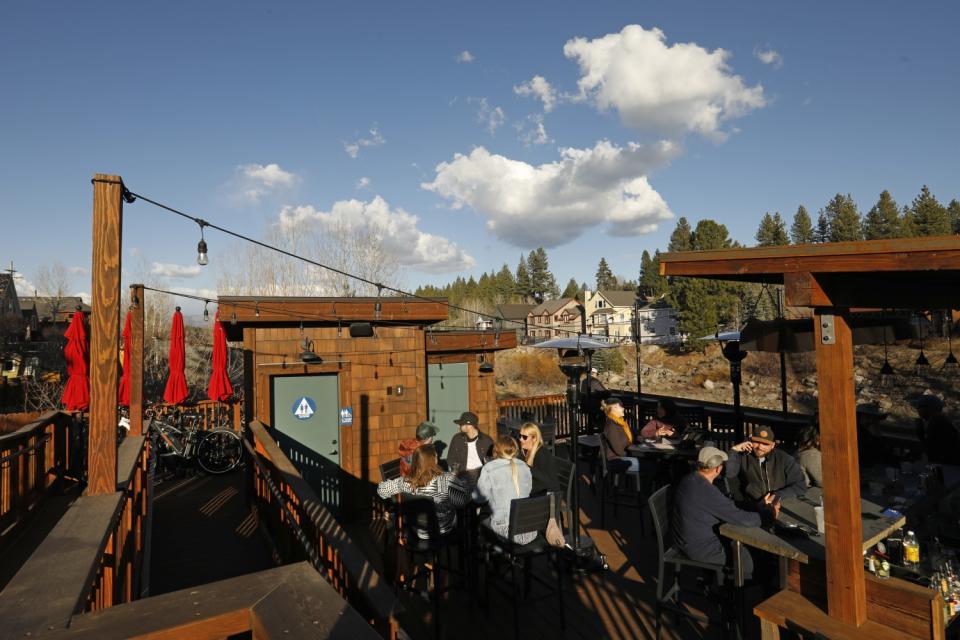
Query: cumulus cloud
768, 56
395, 228
552, 204
24, 287
532, 131
363, 183
170, 270
672, 89
490, 117
538, 87
375, 140
465, 57
254, 181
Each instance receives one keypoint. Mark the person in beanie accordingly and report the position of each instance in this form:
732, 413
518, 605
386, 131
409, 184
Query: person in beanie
699, 508
470, 449
763, 469
424, 435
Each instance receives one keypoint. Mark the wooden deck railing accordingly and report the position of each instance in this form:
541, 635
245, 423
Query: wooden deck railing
302, 528
32, 460
212, 414
92, 558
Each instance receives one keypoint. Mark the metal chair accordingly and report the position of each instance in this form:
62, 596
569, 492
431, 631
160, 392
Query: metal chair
390, 470
526, 515
669, 555
610, 489
565, 477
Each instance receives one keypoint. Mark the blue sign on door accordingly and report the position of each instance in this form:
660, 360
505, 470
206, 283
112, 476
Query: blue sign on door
304, 408
346, 416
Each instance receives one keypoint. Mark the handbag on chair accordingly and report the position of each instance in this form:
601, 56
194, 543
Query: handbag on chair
554, 533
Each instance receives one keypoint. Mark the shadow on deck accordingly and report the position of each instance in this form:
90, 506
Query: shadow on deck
203, 531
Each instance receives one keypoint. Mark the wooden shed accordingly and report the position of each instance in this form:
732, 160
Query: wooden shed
341, 381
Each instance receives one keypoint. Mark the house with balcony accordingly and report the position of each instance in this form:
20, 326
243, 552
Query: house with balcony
610, 315
554, 318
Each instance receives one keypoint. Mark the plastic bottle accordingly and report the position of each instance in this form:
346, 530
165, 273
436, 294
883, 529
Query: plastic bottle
911, 550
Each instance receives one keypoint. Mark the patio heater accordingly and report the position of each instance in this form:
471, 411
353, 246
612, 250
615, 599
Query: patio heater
576, 358
732, 352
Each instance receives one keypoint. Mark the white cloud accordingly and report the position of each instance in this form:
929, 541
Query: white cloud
254, 181
768, 56
538, 87
465, 57
169, 270
552, 204
79, 270
24, 286
85, 296
533, 132
397, 230
363, 183
375, 140
490, 117
673, 89
135, 252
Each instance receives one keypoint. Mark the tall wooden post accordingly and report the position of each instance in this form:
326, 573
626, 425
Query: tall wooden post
136, 359
104, 334
846, 595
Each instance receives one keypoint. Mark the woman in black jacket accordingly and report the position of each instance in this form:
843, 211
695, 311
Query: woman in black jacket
541, 461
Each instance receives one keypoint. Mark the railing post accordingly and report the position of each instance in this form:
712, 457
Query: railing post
104, 331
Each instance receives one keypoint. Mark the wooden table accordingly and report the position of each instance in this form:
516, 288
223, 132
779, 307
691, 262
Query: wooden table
667, 449
789, 544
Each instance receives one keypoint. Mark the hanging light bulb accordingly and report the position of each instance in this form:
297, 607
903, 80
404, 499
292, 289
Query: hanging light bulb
377, 307
233, 318
256, 309
206, 312
922, 366
950, 365
202, 259
886, 371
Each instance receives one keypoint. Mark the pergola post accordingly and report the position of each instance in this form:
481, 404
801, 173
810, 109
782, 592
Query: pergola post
104, 334
846, 595
136, 359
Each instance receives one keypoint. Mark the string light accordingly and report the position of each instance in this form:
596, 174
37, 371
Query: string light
233, 318
950, 365
202, 259
922, 365
886, 371
206, 312
377, 307
257, 309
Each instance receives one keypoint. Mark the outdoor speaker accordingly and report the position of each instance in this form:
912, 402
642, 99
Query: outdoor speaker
361, 330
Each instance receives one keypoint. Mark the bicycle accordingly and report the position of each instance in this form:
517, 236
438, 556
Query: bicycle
216, 451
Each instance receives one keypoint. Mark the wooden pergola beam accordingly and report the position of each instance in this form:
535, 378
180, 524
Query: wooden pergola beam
458, 341
104, 331
313, 311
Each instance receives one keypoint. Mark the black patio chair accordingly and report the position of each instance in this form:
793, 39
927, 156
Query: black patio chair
390, 470
667, 554
565, 477
527, 515
613, 473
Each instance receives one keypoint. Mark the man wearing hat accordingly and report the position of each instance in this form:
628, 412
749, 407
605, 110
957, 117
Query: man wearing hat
699, 508
469, 449
939, 436
763, 469
425, 434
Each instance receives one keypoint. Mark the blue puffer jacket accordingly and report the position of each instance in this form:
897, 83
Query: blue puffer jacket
496, 487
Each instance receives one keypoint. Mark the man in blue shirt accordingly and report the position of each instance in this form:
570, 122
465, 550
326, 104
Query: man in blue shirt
699, 509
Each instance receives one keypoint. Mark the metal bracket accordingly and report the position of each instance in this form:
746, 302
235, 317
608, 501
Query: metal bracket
827, 335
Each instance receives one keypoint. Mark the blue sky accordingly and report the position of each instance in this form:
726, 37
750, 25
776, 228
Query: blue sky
425, 118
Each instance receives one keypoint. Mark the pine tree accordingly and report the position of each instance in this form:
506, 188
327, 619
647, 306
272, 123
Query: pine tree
801, 232
710, 234
605, 279
542, 282
883, 219
930, 217
954, 210
505, 283
822, 232
682, 237
845, 224
908, 223
523, 280
772, 231
651, 283
572, 289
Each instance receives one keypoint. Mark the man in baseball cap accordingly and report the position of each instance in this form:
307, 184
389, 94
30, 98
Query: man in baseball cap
424, 435
470, 448
762, 469
699, 508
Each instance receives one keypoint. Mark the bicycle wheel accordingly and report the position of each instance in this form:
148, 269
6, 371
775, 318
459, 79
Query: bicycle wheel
219, 451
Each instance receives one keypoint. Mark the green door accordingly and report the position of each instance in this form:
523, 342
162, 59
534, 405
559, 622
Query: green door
448, 397
306, 423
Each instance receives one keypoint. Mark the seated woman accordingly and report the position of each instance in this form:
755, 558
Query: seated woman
502, 480
808, 456
541, 462
668, 423
428, 479
618, 436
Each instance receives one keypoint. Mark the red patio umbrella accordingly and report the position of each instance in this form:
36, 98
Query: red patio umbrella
176, 389
76, 394
219, 388
123, 391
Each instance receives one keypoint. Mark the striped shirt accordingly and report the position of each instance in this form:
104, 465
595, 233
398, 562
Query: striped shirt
446, 490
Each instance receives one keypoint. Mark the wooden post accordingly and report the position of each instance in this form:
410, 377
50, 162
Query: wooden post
846, 594
104, 334
137, 304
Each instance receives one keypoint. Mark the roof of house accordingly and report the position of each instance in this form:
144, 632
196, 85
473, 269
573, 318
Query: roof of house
620, 298
552, 306
44, 306
513, 311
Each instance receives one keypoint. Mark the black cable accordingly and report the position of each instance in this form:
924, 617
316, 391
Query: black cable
379, 285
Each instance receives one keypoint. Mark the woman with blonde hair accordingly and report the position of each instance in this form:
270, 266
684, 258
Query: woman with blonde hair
428, 479
502, 480
542, 465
